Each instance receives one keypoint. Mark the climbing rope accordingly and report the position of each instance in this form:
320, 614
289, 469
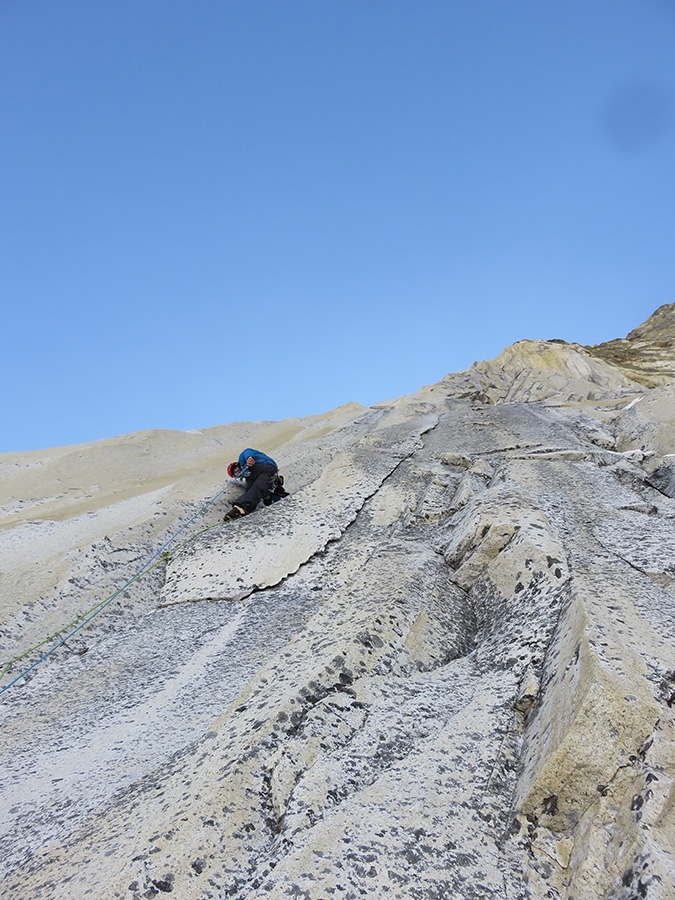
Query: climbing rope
84, 618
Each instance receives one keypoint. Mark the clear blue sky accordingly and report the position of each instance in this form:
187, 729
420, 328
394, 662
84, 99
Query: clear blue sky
216, 211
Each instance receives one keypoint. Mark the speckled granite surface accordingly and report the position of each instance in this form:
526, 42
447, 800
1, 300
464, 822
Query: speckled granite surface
444, 668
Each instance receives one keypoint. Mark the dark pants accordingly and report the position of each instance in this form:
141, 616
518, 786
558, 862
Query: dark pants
257, 486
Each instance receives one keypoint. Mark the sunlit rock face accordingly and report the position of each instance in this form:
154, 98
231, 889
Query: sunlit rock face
646, 354
444, 667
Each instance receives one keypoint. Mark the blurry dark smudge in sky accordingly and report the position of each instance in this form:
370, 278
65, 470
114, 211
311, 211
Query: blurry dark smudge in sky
636, 116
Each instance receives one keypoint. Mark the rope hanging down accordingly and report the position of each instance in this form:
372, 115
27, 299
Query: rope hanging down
86, 617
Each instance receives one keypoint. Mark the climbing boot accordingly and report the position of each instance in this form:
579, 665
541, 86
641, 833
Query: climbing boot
235, 513
279, 490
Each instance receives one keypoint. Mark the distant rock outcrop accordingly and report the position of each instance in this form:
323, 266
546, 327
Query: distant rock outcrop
646, 354
443, 668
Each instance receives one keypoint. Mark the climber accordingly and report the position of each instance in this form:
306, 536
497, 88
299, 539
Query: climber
263, 482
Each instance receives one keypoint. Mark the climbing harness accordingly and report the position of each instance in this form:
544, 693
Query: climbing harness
276, 490
84, 618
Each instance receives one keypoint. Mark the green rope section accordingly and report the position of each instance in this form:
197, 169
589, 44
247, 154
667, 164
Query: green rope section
80, 621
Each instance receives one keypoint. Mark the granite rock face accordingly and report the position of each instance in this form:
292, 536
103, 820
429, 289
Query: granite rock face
443, 668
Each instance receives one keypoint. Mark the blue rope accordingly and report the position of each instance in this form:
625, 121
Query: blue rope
138, 574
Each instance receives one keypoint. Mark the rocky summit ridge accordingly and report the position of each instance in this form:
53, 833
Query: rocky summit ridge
443, 669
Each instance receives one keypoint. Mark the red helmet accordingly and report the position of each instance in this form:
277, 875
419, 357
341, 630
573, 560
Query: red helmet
232, 469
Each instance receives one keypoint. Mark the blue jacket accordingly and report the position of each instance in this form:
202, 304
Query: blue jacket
257, 456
